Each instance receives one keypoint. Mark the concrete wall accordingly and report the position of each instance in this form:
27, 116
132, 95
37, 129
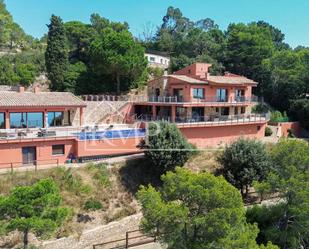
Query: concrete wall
11, 152
213, 136
285, 126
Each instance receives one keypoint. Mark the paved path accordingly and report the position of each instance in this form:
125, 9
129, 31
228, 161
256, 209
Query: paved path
111, 160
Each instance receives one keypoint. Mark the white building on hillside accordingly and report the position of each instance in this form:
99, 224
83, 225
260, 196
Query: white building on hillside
158, 59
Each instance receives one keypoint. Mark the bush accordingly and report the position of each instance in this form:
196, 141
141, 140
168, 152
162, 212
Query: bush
92, 204
243, 162
268, 131
166, 147
277, 116
100, 173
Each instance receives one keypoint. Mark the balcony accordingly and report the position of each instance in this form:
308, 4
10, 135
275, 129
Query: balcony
209, 120
207, 99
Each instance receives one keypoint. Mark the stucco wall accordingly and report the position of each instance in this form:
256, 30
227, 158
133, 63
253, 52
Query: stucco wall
213, 136
12, 152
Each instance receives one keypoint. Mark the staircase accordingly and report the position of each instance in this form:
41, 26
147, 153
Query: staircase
97, 112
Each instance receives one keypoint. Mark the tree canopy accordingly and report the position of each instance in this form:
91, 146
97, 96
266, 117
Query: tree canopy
35, 208
166, 147
243, 162
196, 211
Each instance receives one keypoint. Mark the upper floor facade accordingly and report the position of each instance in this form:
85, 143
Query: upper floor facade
157, 59
194, 84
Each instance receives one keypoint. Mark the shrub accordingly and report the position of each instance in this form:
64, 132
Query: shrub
100, 173
166, 147
243, 162
92, 204
268, 131
277, 116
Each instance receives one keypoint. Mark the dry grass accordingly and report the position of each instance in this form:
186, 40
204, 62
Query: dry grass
77, 185
113, 186
204, 161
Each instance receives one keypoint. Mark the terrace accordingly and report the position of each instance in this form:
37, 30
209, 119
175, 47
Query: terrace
56, 133
210, 120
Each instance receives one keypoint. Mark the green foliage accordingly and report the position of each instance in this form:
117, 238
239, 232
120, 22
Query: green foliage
118, 56
277, 116
72, 182
21, 68
100, 173
243, 162
196, 211
93, 205
287, 224
300, 111
260, 108
56, 55
11, 34
268, 131
286, 75
35, 208
247, 46
166, 147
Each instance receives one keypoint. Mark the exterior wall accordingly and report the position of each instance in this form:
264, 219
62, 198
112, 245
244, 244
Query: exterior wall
199, 70
12, 152
159, 60
107, 147
214, 136
209, 90
285, 126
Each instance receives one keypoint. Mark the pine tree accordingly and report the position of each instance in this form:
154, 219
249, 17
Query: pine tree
56, 55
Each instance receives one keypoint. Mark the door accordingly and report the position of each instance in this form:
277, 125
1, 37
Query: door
29, 155
178, 92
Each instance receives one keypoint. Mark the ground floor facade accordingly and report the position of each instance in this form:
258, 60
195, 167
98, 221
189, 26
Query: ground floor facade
58, 151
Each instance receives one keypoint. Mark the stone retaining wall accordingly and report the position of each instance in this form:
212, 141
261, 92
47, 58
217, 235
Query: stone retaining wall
112, 231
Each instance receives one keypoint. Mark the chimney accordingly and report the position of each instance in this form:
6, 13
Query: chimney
37, 89
21, 89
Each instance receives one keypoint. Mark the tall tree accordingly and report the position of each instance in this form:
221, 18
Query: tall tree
33, 208
117, 55
247, 46
195, 211
56, 55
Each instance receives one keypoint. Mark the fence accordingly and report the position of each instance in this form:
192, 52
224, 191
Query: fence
132, 239
33, 163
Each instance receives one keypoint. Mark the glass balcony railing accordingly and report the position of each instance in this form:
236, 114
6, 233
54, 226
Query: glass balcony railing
208, 120
206, 99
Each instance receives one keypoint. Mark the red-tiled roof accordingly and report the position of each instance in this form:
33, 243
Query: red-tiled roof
30, 99
230, 79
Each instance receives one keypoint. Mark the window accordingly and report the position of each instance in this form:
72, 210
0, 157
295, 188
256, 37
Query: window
2, 120
239, 94
18, 120
58, 149
161, 61
189, 71
34, 119
221, 95
152, 59
55, 119
26, 119
198, 93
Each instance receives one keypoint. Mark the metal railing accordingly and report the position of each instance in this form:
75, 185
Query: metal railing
208, 120
132, 239
206, 99
30, 163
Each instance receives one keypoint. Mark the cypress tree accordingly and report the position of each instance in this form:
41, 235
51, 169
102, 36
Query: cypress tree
56, 55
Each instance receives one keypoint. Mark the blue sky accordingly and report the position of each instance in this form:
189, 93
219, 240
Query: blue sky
290, 16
